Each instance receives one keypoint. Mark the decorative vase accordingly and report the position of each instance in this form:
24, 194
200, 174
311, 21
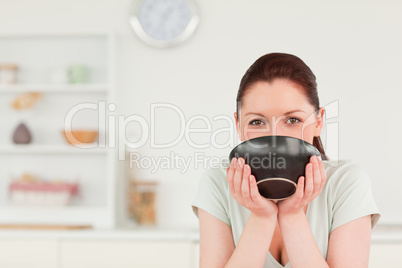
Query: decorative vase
22, 134
77, 74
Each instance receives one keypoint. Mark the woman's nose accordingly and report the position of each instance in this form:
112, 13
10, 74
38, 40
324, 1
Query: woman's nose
275, 128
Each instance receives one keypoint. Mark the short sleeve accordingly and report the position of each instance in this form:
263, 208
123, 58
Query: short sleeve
352, 197
212, 195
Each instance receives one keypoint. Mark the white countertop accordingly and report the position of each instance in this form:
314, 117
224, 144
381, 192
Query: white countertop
135, 233
380, 234
387, 233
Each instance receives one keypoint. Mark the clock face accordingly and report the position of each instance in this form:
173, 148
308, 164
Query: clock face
164, 23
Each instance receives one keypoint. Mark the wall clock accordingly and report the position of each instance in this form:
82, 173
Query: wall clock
164, 23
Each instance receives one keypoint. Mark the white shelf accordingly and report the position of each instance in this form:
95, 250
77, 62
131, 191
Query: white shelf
53, 215
49, 88
57, 34
48, 209
49, 149
38, 56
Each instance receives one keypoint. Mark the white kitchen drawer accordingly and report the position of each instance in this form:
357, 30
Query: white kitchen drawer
33, 253
122, 253
385, 255
196, 255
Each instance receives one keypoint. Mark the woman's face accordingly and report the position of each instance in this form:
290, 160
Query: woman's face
277, 108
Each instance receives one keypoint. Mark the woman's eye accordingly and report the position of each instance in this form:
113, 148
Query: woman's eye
256, 122
293, 121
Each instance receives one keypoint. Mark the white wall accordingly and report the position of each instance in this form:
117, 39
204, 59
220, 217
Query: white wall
353, 47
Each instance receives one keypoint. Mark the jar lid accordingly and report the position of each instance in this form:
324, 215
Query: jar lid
137, 182
8, 66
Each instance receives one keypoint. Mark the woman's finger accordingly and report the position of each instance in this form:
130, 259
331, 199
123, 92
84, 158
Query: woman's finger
299, 194
308, 181
230, 174
237, 180
316, 177
245, 185
254, 193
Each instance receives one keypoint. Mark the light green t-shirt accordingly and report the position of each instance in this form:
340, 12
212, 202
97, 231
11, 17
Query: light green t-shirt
345, 196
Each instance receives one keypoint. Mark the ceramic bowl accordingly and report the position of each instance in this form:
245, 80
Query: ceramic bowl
80, 136
277, 162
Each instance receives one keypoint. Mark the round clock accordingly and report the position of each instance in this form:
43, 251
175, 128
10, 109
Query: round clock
164, 23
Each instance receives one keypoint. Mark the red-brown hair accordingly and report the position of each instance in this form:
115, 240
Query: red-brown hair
283, 66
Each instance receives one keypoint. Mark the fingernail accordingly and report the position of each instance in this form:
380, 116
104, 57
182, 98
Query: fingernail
319, 157
233, 160
239, 162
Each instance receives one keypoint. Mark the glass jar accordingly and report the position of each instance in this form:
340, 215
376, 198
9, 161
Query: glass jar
8, 74
142, 201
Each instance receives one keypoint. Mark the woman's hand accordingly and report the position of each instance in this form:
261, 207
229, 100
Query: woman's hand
307, 189
243, 188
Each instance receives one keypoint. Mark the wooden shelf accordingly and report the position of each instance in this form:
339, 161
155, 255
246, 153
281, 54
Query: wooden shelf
49, 88
50, 149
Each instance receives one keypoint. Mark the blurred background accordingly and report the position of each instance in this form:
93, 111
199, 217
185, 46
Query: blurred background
134, 108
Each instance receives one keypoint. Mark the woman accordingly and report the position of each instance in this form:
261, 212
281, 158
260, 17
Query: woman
326, 223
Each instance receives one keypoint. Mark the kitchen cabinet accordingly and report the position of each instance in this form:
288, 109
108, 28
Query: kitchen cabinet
385, 254
197, 255
43, 60
99, 249
22, 253
124, 250
108, 254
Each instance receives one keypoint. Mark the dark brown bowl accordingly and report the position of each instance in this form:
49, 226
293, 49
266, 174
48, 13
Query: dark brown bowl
277, 162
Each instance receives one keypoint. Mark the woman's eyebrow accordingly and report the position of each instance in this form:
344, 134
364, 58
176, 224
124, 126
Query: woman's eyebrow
255, 114
293, 111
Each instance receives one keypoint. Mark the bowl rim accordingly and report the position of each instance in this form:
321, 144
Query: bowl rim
303, 142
